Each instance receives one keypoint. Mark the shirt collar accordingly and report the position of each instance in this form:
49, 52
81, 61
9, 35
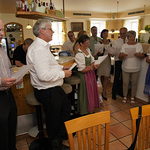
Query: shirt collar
46, 44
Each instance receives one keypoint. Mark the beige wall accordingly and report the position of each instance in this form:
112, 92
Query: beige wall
112, 24
6, 17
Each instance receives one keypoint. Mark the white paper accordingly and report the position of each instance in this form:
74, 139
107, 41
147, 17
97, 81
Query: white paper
74, 64
111, 50
21, 72
130, 52
98, 48
100, 59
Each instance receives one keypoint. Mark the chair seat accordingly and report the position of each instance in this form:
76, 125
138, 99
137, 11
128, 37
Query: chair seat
67, 88
31, 100
73, 80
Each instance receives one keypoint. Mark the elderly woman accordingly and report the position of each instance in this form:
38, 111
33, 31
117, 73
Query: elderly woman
130, 54
88, 91
105, 67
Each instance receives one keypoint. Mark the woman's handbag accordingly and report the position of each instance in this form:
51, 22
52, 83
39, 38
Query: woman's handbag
137, 129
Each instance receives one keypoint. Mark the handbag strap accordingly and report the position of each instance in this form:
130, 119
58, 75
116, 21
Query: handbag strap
137, 129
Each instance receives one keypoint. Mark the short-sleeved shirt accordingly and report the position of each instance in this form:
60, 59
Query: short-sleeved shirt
92, 42
20, 55
131, 64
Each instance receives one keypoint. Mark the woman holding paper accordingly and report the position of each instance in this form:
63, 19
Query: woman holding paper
105, 67
88, 97
130, 54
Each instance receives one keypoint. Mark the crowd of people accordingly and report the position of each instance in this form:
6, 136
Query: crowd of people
47, 77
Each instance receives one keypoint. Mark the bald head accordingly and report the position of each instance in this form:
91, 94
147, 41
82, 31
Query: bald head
1, 29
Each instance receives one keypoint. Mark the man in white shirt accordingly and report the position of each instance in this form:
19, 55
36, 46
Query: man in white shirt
117, 84
46, 78
68, 45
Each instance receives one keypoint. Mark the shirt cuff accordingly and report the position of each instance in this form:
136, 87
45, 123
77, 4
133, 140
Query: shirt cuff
62, 74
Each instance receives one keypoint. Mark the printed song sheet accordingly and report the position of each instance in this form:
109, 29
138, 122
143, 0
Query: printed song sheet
21, 72
100, 59
130, 52
98, 48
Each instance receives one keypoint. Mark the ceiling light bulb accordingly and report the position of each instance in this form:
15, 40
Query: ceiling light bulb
28, 26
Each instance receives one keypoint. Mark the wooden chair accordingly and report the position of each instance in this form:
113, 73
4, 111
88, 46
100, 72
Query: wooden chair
88, 130
143, 140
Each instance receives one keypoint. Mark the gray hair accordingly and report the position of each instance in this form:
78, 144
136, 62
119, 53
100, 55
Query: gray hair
41, 23
131, 32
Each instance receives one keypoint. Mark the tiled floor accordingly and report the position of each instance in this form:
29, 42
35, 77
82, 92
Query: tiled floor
120, 124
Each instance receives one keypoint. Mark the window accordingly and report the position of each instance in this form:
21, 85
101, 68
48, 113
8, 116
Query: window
100, 26
132, 25
57, 36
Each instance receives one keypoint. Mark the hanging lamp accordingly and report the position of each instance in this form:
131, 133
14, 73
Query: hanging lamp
28, 26
117, 31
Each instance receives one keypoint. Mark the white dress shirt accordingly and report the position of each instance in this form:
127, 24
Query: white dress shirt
117, 44
46, 72
68, 46
80, 59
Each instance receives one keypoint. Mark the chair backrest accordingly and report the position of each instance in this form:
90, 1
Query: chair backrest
64, 53
88, 129
143, 140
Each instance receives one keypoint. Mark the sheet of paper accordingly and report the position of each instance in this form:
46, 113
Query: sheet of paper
100, 59
21, 72
98, 48
74, 64
130, 52
110, 50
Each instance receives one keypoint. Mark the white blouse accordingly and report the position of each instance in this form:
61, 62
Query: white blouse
131, 64
80, 59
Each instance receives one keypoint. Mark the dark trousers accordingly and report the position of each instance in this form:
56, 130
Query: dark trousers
57, 110
117, 84
8, 120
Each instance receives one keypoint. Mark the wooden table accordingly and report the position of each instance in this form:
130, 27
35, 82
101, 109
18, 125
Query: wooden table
20, 94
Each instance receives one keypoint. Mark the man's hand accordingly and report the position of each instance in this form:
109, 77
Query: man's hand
67, 73
66, 67
7, 82
19, 82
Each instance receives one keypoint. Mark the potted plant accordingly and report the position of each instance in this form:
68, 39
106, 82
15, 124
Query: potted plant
147, 28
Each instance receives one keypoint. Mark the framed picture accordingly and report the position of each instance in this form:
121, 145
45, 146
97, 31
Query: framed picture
76, 26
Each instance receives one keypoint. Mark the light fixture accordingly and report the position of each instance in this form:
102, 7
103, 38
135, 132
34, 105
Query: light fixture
28, 26
117, 31
143, 31
62, 32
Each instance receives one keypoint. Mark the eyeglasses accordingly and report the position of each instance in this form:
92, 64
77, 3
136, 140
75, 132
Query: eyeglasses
48, 29
123, 33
